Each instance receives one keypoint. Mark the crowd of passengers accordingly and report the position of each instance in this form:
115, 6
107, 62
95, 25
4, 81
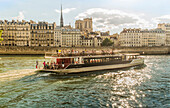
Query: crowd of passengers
77, 52
53, 65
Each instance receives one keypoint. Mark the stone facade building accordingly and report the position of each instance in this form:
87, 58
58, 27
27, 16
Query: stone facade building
23, 34
131, 38
97, 42
153, 37
166, 28
141, 38
104, 35
87, 42
71, 38
57, 37
115, 39
42, 34
85, 25
15, 33
91, 41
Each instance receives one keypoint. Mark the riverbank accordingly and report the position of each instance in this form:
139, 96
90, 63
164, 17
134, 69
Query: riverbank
41, 50
146, 50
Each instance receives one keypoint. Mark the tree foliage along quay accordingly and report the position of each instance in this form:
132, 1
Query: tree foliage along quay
107, 42
1, 35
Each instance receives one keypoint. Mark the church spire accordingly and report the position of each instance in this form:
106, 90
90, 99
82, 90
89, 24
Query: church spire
61, 19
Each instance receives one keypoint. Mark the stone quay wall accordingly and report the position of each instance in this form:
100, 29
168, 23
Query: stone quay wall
13, 50
146, 50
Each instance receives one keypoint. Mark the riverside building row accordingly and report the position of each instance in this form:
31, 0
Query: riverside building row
38, 34
22, 33
142, 38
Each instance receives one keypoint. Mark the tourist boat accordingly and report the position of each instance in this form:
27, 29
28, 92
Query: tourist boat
88, 63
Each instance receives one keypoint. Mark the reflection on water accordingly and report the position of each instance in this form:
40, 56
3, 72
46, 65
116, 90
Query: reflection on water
143, 86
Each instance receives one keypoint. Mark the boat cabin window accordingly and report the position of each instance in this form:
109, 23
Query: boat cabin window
131, 57
90, 60
86, 60
107, 59
115, 58
76, 60
81, 61
102, 59
72, 60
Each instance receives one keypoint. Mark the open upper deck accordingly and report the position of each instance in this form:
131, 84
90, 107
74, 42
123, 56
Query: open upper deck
60, 56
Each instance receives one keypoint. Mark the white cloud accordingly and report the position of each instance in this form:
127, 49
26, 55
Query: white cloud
162, 19
114, 20
67, 10
20, 16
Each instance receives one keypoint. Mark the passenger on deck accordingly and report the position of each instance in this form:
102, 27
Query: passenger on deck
44, 64
36, 64
47, 65
55, 66
63, 64
51, 65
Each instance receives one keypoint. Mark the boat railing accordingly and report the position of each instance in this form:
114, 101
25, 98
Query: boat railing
67, 65
58, 66
140, 57
51, 54
63, 54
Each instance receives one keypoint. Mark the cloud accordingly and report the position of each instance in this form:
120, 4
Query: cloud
114, 20
161, 19
20, 16
67, 10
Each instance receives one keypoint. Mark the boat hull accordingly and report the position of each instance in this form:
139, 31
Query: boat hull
134, 62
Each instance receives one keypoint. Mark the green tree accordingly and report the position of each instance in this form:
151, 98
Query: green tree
0, 36
107, 42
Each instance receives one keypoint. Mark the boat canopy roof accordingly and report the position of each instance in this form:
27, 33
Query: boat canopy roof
49, 55
131, 54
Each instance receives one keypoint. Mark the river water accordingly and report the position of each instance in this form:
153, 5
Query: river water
142, 86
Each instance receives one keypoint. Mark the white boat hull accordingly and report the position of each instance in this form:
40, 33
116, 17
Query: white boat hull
135, 62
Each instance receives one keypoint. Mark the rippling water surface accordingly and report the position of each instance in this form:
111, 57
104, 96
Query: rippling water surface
142, 86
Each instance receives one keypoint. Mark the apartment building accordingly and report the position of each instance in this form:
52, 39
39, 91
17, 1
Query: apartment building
23, 34
104, 35
15, 33
71, 37
42, 34
166, 28
139, 38
131, 38
57, 37
91, 41
153, 37
87, 42
115, 39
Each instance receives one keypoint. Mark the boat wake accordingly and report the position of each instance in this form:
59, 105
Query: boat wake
16, 74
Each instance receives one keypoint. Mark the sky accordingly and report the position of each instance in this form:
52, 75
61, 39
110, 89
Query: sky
108, 15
